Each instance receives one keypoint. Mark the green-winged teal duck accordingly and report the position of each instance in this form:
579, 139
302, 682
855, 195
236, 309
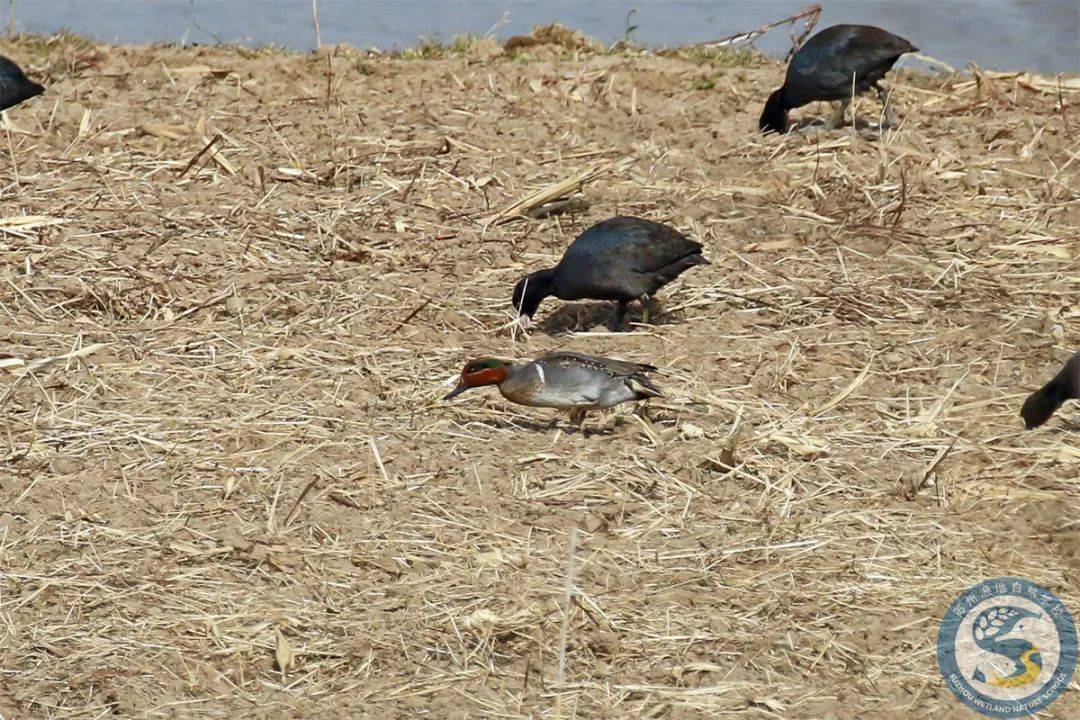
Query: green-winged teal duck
566, 380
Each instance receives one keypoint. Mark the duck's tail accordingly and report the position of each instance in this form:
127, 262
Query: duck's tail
643, 387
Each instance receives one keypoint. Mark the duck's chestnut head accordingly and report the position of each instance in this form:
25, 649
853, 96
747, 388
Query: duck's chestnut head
477, 373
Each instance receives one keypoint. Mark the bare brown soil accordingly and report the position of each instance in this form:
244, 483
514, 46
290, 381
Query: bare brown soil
229, 488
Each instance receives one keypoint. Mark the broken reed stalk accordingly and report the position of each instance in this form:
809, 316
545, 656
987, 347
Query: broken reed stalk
291, 515
198, 155
568, 596
329, 78
405, 320
551, 192
811, 14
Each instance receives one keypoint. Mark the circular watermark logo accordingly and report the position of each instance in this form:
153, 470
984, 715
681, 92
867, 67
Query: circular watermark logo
1007, 648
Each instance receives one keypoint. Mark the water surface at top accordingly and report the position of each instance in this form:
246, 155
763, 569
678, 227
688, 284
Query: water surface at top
1039, 35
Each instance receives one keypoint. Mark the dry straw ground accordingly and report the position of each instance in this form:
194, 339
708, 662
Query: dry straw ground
230, 488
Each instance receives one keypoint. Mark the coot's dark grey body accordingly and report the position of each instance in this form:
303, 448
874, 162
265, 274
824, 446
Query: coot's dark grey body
14, 85
834, 64
621, 259
1045, 401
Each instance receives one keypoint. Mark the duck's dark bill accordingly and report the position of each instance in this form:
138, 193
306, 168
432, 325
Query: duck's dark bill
456, 391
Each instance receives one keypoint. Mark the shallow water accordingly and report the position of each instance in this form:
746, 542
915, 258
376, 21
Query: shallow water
1040, 35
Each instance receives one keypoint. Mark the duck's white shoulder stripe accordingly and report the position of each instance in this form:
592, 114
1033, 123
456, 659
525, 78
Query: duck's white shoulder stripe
540, 372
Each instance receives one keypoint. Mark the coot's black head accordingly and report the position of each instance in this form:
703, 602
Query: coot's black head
530, 291
774, 117
1039, 406
1045, 401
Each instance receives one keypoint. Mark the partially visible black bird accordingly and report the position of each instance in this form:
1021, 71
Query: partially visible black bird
14, 85
621, 259
838, 62
1042, 403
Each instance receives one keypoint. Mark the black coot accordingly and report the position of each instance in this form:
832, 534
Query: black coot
1042, 403
14, 85
620, 259
834, 64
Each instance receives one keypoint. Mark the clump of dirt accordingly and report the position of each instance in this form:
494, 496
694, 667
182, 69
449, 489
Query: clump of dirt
236, 283
556, 35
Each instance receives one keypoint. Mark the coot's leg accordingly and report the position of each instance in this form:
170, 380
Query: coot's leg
620, 313
837, 118
883, 96
646, 307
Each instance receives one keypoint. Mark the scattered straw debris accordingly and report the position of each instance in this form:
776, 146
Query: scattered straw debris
235, 283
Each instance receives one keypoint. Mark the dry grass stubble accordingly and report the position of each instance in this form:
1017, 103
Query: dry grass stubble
236, 282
